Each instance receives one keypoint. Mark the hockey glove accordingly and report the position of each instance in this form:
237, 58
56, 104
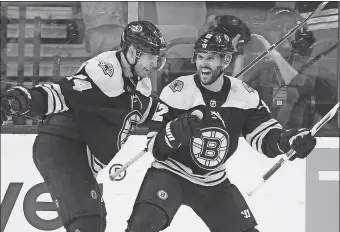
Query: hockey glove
300, 140
179, 131
14, 102
176, 133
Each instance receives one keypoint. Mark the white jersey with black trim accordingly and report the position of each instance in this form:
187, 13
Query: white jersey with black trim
235, 110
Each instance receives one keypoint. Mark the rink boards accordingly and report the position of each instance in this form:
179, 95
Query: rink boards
303, 196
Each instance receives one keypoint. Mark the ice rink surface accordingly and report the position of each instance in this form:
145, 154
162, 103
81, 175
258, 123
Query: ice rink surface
278, 206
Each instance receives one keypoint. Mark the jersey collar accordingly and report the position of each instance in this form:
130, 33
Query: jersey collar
220, 97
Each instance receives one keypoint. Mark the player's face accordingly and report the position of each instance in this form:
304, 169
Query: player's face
147, 62
279, 28
209, 67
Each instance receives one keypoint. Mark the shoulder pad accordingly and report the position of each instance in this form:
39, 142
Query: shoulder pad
182, 93
106, 72
241, 95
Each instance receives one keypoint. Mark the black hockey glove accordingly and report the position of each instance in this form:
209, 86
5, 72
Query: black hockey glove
179, 131
176, 133
300, 140
14, 102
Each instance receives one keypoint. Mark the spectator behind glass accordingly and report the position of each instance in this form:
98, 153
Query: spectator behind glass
240, 36
104, 23
279, 78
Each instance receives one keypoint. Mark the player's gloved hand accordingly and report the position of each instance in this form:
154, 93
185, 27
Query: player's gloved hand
300, 140
14, 101
179, 131
176, 133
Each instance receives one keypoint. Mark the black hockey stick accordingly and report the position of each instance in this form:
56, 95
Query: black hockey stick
273, 46
286, 157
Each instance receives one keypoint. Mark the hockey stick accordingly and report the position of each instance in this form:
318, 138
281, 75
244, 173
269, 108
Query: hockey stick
309, 63
273, 46
286, 157
114, 175
245, 69
318, 57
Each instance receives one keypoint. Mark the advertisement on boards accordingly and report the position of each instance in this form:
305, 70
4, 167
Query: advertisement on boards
298, 197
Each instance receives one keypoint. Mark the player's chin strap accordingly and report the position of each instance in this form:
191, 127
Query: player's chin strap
133, 70
132, 67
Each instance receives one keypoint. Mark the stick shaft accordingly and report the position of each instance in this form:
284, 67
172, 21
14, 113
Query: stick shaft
114, 175
273, 46
286, 157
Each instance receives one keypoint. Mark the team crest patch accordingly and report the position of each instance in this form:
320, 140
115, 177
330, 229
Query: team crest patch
176, 86
248, 88
107, 68
130, 123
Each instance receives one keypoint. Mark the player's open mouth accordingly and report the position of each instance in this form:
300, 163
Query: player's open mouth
205, 72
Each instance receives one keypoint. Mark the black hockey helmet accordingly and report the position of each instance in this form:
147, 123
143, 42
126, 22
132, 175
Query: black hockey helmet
145, 37
304, 39
234, 26
215, 41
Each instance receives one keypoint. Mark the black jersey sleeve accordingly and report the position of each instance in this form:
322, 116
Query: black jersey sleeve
90, 89
262, 131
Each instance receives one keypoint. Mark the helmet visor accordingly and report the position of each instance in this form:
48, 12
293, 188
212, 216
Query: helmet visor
161, 60
158, 60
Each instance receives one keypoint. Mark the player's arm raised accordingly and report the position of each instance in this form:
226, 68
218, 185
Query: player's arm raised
267, 136
83, 91
37, 101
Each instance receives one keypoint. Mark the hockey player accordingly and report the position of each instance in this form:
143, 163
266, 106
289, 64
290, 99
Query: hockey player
194, 174
90, 116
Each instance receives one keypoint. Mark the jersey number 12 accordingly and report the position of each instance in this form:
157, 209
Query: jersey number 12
160, 111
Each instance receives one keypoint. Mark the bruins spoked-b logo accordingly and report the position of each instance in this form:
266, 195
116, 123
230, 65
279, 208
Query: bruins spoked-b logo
162, 194
130, 122
116, 167
210, 150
